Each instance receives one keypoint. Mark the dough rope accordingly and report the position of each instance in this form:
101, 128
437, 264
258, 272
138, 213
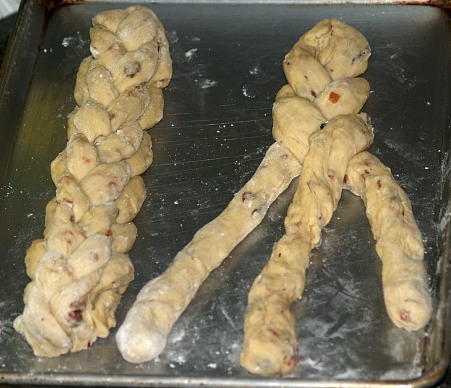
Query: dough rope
81, 267
398, 241
143, 334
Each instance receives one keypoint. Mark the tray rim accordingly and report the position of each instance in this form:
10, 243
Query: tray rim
28, 8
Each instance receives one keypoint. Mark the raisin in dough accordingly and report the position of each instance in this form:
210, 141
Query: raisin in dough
144, 332
398, 241
81, 267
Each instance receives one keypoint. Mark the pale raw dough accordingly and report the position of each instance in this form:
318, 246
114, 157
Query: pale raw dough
105, 297
131, 199
121, 144
81, 156
144, 332
94, 82
317, 68
129, 107
124, 236
270, 340
322, 80
69, 191
62, 235
399, 243
153, 113
341, 50
92, 120
314, 117
98, 219
80, 268
106, 182
143, 157
33, 256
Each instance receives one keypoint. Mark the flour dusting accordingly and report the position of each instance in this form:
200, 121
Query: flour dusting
190, 54
206, 83
247, 92
74, 41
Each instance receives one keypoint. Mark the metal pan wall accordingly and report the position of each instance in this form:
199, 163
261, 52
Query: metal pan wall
217, 126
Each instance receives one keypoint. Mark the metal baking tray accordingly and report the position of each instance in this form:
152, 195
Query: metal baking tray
217, 125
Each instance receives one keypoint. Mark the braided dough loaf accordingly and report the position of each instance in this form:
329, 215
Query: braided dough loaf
80, 268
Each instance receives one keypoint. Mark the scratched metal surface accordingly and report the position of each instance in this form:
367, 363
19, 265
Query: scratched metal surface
216, 128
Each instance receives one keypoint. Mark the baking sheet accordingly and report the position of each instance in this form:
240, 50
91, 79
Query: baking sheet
217, 126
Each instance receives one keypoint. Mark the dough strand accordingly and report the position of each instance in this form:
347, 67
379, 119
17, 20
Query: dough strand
398, 241
143, 334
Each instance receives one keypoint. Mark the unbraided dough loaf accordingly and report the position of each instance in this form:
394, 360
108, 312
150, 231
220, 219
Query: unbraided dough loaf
322, 61
270, 341
301, 108
80, 268
144, 332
